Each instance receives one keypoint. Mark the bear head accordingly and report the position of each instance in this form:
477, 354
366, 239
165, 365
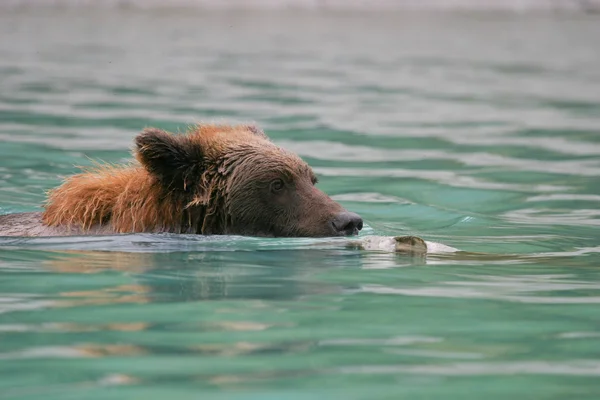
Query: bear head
234, 180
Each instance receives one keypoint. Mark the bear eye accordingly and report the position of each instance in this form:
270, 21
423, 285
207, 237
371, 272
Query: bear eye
277, 185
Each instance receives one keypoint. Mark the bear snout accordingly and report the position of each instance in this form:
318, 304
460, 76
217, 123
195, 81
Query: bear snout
347, 223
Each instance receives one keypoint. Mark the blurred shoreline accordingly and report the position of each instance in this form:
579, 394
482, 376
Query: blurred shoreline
516, 6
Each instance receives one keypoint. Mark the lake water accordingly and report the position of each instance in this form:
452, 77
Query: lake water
480, 131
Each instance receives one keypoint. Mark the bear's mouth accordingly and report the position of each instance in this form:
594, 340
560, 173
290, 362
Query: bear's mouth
353, 232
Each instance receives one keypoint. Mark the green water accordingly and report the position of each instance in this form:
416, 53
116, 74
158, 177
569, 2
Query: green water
479, 131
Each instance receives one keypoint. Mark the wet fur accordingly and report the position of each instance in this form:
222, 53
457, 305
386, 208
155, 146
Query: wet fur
209, 180
149, 198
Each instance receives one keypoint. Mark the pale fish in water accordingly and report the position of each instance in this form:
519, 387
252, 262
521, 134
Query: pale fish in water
401, 244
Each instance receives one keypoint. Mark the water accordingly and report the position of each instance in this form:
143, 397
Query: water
479, 131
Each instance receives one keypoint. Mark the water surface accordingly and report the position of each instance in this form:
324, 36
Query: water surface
480, 131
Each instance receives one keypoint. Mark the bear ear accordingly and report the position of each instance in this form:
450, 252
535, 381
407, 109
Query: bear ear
257, 131
173, 159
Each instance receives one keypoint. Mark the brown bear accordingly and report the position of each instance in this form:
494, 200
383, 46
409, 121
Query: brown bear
213, 180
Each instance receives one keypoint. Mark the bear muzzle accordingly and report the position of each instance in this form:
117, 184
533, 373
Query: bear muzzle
346, 223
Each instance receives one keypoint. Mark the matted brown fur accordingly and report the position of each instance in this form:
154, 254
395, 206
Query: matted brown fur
128, 197
125, 197
200, 188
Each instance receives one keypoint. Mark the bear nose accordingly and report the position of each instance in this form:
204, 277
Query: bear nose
347, 223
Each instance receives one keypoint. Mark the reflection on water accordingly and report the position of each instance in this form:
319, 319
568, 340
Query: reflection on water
479, 131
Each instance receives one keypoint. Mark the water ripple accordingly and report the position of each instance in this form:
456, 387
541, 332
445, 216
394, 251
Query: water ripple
475, 130
583, 368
